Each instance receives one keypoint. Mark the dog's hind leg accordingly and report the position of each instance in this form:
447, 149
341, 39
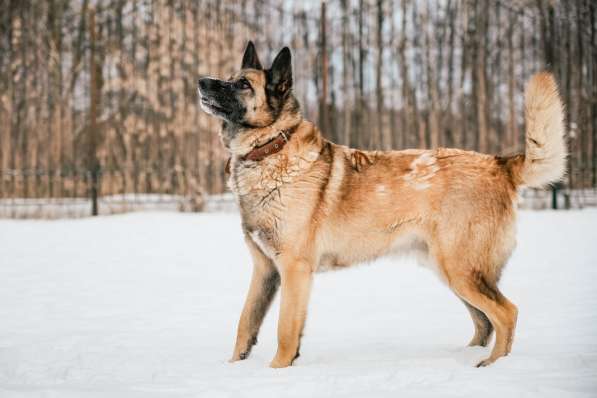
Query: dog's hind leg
264, 285
483, 327
474, 288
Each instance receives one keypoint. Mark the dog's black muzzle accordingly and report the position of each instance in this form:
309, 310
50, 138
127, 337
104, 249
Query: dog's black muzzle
220, 98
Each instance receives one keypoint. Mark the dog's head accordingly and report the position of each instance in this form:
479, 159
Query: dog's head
252, 98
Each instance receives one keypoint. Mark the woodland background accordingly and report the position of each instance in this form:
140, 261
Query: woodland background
98, 97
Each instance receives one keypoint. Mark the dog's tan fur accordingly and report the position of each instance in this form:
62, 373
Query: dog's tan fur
317, 205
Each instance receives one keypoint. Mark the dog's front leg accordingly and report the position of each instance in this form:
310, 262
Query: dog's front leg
296, 287
264, 285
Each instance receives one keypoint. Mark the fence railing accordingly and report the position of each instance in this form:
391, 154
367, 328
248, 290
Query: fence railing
79, 193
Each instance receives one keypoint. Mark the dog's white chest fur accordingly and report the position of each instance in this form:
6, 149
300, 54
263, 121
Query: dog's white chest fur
264, 244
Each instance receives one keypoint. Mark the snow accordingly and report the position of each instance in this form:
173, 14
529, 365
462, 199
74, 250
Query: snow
146, 305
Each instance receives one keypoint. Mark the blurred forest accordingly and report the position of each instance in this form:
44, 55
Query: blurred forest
98, 97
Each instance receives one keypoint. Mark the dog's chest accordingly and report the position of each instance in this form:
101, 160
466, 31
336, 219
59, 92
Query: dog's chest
268, 192
263, 225
265, 186
266, 240
256, 182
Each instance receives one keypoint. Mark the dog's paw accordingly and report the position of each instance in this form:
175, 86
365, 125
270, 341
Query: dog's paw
278, 364
485, 362
477, 342
239, 357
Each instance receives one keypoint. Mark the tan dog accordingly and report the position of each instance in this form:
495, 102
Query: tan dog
309, 204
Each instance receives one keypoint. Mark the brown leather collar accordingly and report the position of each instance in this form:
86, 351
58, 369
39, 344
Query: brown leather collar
258, 153
269, 148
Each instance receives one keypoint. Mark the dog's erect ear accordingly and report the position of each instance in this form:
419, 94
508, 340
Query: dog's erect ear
281, 71
250, 59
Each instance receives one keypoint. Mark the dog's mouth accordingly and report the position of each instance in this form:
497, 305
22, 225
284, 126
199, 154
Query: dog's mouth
212, 105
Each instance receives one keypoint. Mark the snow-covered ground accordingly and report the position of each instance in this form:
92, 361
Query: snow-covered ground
146, 305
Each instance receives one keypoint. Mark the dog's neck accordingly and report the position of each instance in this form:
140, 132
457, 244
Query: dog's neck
263, 181
246, 139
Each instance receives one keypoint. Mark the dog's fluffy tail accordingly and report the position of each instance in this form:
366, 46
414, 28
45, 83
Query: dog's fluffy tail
544, 160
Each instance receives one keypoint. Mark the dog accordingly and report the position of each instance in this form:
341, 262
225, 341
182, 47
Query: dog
308, 204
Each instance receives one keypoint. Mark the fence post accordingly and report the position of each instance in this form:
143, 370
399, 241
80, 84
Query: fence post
94, 190
554, 195
95, 87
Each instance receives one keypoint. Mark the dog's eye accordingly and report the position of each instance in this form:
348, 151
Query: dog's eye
244, 83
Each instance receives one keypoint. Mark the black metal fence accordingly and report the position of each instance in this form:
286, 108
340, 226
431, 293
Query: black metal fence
80, 193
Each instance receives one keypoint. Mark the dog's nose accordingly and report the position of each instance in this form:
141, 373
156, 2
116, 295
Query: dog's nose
203, 83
